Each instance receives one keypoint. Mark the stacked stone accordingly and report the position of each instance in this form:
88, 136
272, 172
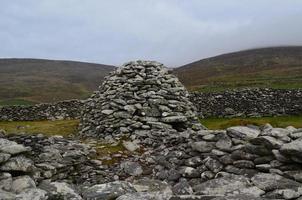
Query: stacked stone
37, 167
264, 162
250, 102
69, 109
139, 97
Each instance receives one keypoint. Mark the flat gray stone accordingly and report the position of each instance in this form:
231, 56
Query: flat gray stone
4, 195
32, 194
21, 183
172, 119
269, 182
4, 157
243, 132
202, 146
225, 185
18, 163
132, 168
293, 148
14, 149
108, 191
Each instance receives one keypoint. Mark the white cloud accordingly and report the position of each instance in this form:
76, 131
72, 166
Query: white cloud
174, 32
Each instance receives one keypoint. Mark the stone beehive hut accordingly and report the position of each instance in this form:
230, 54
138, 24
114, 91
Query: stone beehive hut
139, 97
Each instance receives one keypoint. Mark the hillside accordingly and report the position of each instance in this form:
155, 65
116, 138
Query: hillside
25, 81
275, 67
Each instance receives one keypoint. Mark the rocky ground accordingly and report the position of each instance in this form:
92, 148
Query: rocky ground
237, 163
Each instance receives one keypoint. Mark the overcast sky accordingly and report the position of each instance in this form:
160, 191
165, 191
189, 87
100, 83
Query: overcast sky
174, 32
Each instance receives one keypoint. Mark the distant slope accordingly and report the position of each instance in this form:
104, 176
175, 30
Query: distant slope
275, 67
23, 81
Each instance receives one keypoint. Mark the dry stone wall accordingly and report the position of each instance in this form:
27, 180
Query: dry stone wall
249, 102
62, 110
243, 103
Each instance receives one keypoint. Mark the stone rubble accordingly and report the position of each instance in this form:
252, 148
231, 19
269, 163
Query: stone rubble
207, 164
137, 98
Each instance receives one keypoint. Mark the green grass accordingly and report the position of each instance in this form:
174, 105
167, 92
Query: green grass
13, 102
282, 122
59, 127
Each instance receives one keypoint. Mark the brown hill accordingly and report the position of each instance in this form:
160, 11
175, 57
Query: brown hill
35, 80
275, 67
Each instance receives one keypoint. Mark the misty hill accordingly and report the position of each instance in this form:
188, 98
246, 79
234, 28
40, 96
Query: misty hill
35, 80
275, 67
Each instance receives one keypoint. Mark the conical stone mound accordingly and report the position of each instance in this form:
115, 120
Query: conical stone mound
137, 98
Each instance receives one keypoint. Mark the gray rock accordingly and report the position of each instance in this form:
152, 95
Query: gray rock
243, 132
284, 193
182, 188
4, 157
213, 165
293, 148
232, 184
107, 112
244, 164
131, 146
278, 132
269, 182
267, 141
108, 191
14, 149
21, 183
295, 175
224, 143
189, 172
5, 143
151, 185
145, 196
5, 181
57, 190
32, 194
132, 168
18, 163
172, 119
202, 146
4, 195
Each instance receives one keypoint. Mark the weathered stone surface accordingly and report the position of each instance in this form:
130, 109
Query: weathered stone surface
145, 196
222, 186
7, 195
293, 148
21, 183
32, 194
269, 182
14, 149
202, 146
6, 181
59, 190
4, 157
18, 163
132, 168
108, 191
243, 132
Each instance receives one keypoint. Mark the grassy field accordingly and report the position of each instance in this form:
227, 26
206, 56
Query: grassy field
282, 122
59, 127
69, 127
